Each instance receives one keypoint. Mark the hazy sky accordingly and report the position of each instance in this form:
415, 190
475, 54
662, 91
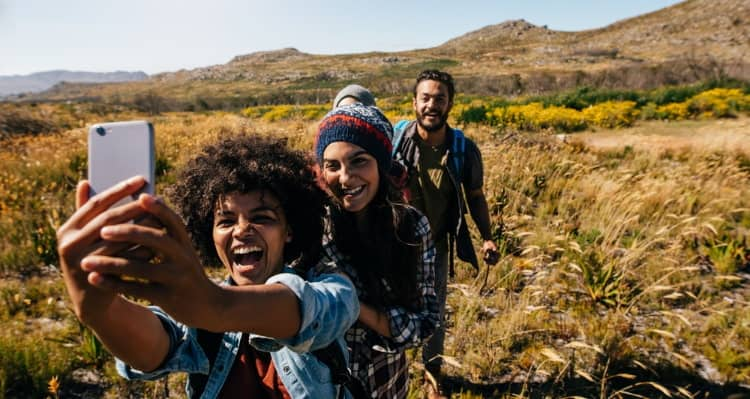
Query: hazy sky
167, 35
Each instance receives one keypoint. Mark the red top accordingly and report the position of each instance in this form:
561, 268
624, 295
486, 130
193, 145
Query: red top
253, 375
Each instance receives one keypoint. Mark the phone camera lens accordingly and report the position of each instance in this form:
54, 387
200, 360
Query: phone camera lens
101, 131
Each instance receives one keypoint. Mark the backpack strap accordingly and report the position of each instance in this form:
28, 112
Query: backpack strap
398, 133
333, 357
210, 342
458, 148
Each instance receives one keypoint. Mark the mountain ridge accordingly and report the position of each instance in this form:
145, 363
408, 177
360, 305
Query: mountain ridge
40, 81
683, 43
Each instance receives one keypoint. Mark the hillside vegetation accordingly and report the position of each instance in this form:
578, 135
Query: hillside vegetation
689, 42
625, 269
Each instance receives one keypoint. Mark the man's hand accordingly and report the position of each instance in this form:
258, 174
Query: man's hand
490, 254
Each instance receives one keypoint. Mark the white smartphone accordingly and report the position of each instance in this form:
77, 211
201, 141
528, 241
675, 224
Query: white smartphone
120, 150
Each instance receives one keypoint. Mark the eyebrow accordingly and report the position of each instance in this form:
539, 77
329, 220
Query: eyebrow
262, 208
356, 154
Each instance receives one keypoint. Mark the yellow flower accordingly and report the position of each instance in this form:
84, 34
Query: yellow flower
53, 385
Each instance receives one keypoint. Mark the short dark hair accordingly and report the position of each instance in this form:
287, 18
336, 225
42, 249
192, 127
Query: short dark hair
244, 164
440, 76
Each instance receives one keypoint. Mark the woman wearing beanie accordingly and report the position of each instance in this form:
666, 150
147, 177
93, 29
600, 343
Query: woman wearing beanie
384, 245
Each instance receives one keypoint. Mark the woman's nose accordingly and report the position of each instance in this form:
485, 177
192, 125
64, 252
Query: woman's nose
243, 228
344, 175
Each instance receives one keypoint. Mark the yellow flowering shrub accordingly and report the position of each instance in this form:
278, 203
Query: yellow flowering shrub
313, 112
673, 111
535, 116
278, 113
308, 112
718, 103
612, 114
256, 112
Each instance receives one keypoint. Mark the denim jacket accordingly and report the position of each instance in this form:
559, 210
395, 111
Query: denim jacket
328, 305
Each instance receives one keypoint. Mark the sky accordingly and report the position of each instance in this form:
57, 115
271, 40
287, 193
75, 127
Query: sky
168, 35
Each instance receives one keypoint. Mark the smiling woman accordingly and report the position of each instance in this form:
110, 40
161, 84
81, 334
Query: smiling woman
384, 245
250, 231
254, 206
351, 174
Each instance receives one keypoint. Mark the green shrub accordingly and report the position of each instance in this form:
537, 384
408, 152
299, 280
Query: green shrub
28, 363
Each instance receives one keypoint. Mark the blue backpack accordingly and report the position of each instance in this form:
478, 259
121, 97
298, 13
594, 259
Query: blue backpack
457, 146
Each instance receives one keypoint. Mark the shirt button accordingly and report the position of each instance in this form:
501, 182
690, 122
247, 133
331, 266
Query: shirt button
286, 369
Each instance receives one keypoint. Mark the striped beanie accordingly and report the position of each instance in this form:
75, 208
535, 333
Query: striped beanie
358, 124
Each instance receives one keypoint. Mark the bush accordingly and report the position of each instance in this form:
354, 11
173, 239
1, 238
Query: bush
471, 114
17, 121
719, 103
535, 116
583, 97
612, 114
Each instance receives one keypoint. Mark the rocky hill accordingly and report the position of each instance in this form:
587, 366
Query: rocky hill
687, 42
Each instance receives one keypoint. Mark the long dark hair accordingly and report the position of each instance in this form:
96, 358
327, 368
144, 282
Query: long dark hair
388, 254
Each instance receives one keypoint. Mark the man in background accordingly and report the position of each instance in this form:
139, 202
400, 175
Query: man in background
445, 176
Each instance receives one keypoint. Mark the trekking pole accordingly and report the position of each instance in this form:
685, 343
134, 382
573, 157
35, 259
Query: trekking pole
486, 276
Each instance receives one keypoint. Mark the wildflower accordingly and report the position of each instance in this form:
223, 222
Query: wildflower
53, 385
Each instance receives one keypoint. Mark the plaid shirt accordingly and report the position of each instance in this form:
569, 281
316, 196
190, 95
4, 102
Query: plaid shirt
380, 362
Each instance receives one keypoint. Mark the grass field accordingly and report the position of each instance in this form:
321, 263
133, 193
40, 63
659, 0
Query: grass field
625, 268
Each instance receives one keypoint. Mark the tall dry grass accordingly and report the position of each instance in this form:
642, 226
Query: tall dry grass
624, 270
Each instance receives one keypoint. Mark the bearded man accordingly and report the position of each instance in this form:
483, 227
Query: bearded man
443, 181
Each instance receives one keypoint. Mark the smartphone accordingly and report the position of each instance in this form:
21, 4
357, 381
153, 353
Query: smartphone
118, 151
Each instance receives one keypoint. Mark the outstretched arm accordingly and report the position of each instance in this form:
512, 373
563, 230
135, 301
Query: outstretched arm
179, 285
128, 330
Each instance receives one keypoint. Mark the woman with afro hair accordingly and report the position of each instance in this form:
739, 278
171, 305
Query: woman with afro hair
249, 204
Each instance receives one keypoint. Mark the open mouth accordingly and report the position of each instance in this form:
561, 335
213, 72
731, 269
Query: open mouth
247, 256
353, 191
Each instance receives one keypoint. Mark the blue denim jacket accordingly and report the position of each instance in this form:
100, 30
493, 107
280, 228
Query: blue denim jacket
328, 305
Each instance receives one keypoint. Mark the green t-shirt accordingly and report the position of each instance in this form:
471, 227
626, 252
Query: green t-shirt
431, 187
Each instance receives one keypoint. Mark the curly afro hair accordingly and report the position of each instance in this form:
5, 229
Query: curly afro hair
241, 165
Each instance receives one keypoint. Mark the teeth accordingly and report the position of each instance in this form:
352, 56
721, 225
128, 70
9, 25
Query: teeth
353, 191
246, 250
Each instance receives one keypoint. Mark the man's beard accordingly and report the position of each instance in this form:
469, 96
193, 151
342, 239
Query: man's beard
432, 127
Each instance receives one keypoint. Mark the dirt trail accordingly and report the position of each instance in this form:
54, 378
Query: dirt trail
724, 134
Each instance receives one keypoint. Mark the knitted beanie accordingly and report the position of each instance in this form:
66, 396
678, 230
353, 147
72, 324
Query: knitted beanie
357, 92
358, 124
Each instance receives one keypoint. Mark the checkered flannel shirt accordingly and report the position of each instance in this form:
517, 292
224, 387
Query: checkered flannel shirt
380, 362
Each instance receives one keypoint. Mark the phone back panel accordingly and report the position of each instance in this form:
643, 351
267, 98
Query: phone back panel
120, 150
